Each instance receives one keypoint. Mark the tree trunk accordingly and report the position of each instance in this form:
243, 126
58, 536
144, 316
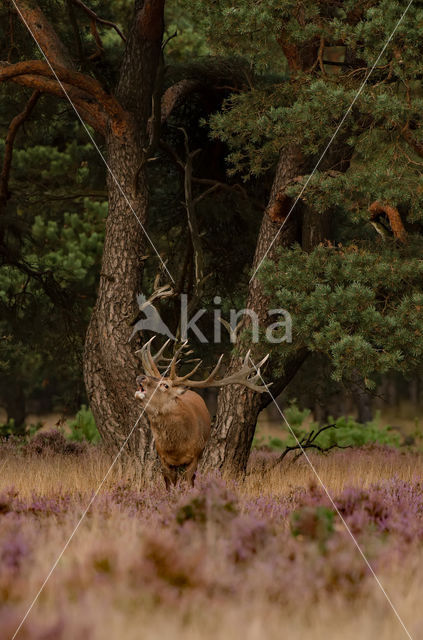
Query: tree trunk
237, 409
110, 367
362, 399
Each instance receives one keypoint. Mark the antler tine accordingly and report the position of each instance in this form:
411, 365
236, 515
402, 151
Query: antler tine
215, 371
147, 360
152, 360
158, 355
150, 363
182, 378
173, 375
144, 346
239, 377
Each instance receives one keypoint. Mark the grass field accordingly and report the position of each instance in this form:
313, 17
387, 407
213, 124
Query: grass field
263, 558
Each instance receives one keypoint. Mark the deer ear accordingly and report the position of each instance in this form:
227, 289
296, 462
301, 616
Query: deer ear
181, 390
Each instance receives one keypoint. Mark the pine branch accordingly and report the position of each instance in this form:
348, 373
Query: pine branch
14, 126
44, 33
94, 17
94, 104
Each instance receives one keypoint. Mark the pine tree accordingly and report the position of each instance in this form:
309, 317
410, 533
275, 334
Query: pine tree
359, 210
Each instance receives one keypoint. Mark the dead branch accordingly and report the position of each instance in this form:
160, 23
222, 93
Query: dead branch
99, 44
75, 28
216, 184
307, 442
191, 215
95, 18
320, 55
49, 197
168, 39
17, 121
155, 120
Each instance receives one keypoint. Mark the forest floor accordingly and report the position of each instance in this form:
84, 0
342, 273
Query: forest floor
268, 557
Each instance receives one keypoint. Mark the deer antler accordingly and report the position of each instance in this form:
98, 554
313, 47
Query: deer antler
242, 376
150, 363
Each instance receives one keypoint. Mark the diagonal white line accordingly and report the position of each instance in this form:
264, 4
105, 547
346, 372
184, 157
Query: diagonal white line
313, 468
85, 512
115, 180
332, 139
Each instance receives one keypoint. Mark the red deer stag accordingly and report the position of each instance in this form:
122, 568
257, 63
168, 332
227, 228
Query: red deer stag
178, 417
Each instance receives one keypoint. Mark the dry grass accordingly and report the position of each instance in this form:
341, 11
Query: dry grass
337, 471
131, 573
68, 474
46, 476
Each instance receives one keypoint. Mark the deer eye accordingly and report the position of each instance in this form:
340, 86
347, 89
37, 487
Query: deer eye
166, 386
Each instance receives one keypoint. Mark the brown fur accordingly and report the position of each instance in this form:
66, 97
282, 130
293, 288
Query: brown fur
180, 422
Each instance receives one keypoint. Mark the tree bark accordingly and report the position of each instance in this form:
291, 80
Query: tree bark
110, 367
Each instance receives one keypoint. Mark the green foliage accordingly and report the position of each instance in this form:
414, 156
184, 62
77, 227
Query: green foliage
358, 308
362, 310
349, 433
8, 428
55, 229
314, 523
346, 433
306, 110
185, 41
83, 427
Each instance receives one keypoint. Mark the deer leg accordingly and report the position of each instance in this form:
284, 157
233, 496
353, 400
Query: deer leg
167, 480
169, 474
189, 474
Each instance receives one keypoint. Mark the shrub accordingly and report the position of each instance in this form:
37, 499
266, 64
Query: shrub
7, 428
315, 523
83, 427
348, 432
52, 443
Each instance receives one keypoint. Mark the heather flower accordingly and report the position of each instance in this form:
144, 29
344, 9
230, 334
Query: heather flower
13, 550
6, 500
248, 535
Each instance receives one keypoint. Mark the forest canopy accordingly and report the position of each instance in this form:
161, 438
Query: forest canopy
259, 90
